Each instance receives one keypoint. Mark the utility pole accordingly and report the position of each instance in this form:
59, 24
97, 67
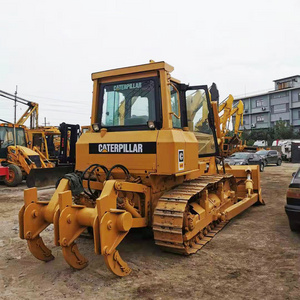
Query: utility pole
45, 123
15, 117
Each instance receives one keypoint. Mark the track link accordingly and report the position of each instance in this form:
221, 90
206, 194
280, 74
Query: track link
170, 213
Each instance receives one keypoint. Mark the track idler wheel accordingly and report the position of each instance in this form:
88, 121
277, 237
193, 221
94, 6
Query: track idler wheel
116, 264
73, 257
39, 249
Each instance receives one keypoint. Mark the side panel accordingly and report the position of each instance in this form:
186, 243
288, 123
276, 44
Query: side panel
136, 150
191, 150
171, 146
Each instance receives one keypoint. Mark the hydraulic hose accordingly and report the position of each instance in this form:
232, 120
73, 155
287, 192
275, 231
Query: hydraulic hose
94, 166
123, 168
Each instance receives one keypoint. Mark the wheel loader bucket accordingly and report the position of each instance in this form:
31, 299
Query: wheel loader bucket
47, 176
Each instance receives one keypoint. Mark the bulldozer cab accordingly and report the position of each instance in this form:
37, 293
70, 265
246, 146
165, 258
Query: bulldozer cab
142, 110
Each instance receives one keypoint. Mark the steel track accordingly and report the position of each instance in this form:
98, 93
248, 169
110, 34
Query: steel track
169, 216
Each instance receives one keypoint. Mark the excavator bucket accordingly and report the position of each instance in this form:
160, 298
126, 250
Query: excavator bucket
47, 176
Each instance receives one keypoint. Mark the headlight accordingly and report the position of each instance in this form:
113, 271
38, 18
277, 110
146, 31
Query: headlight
242, 163
96, 127
151, 125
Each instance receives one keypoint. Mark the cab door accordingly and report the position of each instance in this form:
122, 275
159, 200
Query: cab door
198, 117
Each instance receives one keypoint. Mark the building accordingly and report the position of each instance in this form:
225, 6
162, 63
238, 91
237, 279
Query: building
263, 110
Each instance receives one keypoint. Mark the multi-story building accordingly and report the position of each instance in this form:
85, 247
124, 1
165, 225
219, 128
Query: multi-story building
263, 110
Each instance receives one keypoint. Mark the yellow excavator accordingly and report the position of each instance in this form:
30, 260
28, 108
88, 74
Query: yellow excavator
140, 165
224, 113
230, 144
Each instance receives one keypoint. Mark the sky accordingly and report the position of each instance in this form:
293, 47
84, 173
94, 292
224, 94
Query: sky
50, 48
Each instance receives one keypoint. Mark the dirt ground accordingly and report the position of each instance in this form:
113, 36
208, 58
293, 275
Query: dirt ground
255, 256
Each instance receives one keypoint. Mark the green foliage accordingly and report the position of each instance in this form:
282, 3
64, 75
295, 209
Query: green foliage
283, 131
280, 131
230, 133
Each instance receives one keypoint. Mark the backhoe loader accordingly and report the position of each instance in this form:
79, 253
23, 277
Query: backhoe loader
15, 154
140, 165
29, 162
38, 153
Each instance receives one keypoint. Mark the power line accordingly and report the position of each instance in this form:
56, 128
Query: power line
56, 99
77, 113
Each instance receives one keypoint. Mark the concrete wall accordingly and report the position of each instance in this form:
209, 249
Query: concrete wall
295, 96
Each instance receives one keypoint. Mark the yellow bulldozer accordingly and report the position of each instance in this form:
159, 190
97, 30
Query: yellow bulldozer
149, 160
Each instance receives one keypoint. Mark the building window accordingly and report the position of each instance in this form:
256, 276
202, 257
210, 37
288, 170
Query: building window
279, 108
284, 85
260, 119
298, 114
279, 95
298, 96
259, 103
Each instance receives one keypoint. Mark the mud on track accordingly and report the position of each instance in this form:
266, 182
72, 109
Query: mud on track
255, 256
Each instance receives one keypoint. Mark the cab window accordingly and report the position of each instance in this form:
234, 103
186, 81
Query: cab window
128, 103
198, 120
7, 136
175, 108
20, 137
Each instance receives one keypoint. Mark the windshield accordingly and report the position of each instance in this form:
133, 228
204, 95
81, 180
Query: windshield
262, 152
128, 103
239, 155
197, 117
7, 136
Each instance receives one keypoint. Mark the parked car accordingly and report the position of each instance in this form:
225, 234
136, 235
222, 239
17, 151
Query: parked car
292, 207
270, 157
245, 158
260, 143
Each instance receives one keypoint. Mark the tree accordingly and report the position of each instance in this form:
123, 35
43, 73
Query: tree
280, 131
283, 131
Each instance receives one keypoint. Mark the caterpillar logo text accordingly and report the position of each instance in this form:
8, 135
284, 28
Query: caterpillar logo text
123, 148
